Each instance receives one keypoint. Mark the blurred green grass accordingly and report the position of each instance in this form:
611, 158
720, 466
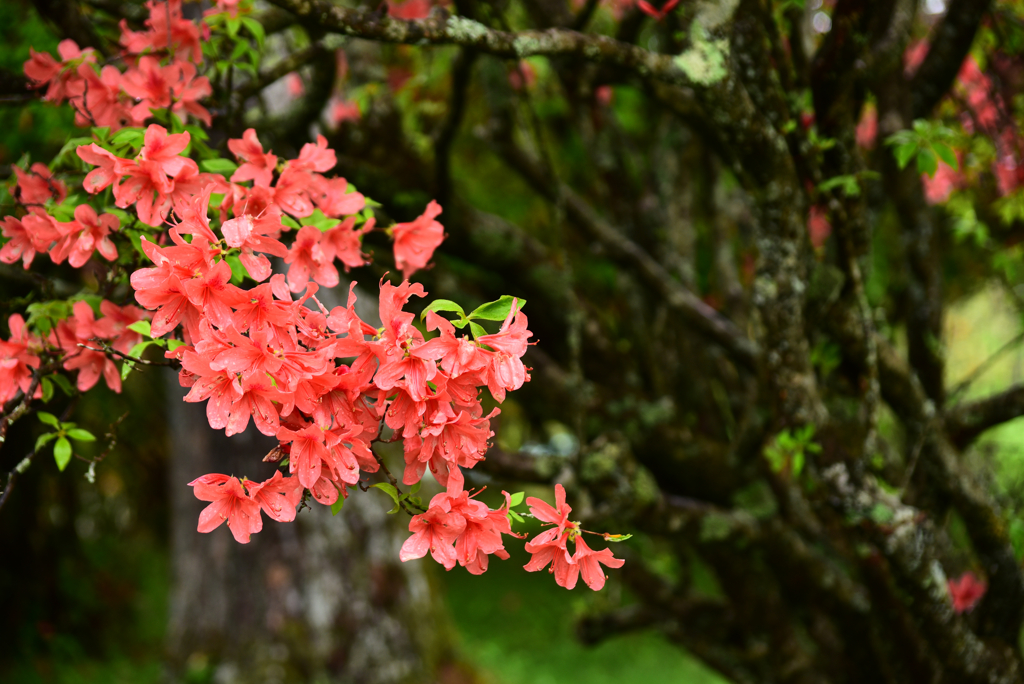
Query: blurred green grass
517, 627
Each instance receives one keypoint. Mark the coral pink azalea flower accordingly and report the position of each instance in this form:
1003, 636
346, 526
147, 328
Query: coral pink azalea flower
230, 503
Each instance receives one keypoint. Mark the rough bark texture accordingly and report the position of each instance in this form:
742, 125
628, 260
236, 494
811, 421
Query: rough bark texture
323, 599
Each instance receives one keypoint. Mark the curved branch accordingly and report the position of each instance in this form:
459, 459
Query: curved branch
281, 69
708, 321
946, 52
965, 422
442, 29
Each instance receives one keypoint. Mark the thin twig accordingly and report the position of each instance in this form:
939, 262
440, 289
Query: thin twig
107, 349
24, 463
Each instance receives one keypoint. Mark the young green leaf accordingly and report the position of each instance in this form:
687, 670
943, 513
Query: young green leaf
442, 305
63, 383
478, 330
946, 154
237, 269
48, 418
256, 29
141, 327
336, 506
927, 162
138, 349
221, 166
62, 453
47, 390
516, 499
320, 221
496, 310
43, 440
390, 490
128, 136
80, 435
904, 153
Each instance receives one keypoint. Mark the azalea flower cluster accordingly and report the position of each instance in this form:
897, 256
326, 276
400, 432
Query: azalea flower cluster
74, 241
259, 354
325, 383
106, 96
80, 341
458, 528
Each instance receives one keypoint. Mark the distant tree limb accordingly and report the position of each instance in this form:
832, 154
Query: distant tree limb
946, 52
966, 422
442, 29
708, 321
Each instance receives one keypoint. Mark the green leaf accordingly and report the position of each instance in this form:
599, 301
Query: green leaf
101, 133
62, 453
64, 384
240, 49
516, 499
221, 166
141, 327
233, 25
66, 211
45, 439
68, 151
415, 488
442, 305
80, 435
336, 506
129, 136
515, 516
617, 537
42, 316
138, 349
946, 154
48, 418
496, 310
478, 330
174, 344
927, 162
848, 183
290, 222
47, 390
237, 269
390, 490
320, 220
256, 29
1016, 534
904, 153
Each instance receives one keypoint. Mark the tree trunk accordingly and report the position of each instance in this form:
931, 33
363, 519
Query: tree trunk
321, 599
